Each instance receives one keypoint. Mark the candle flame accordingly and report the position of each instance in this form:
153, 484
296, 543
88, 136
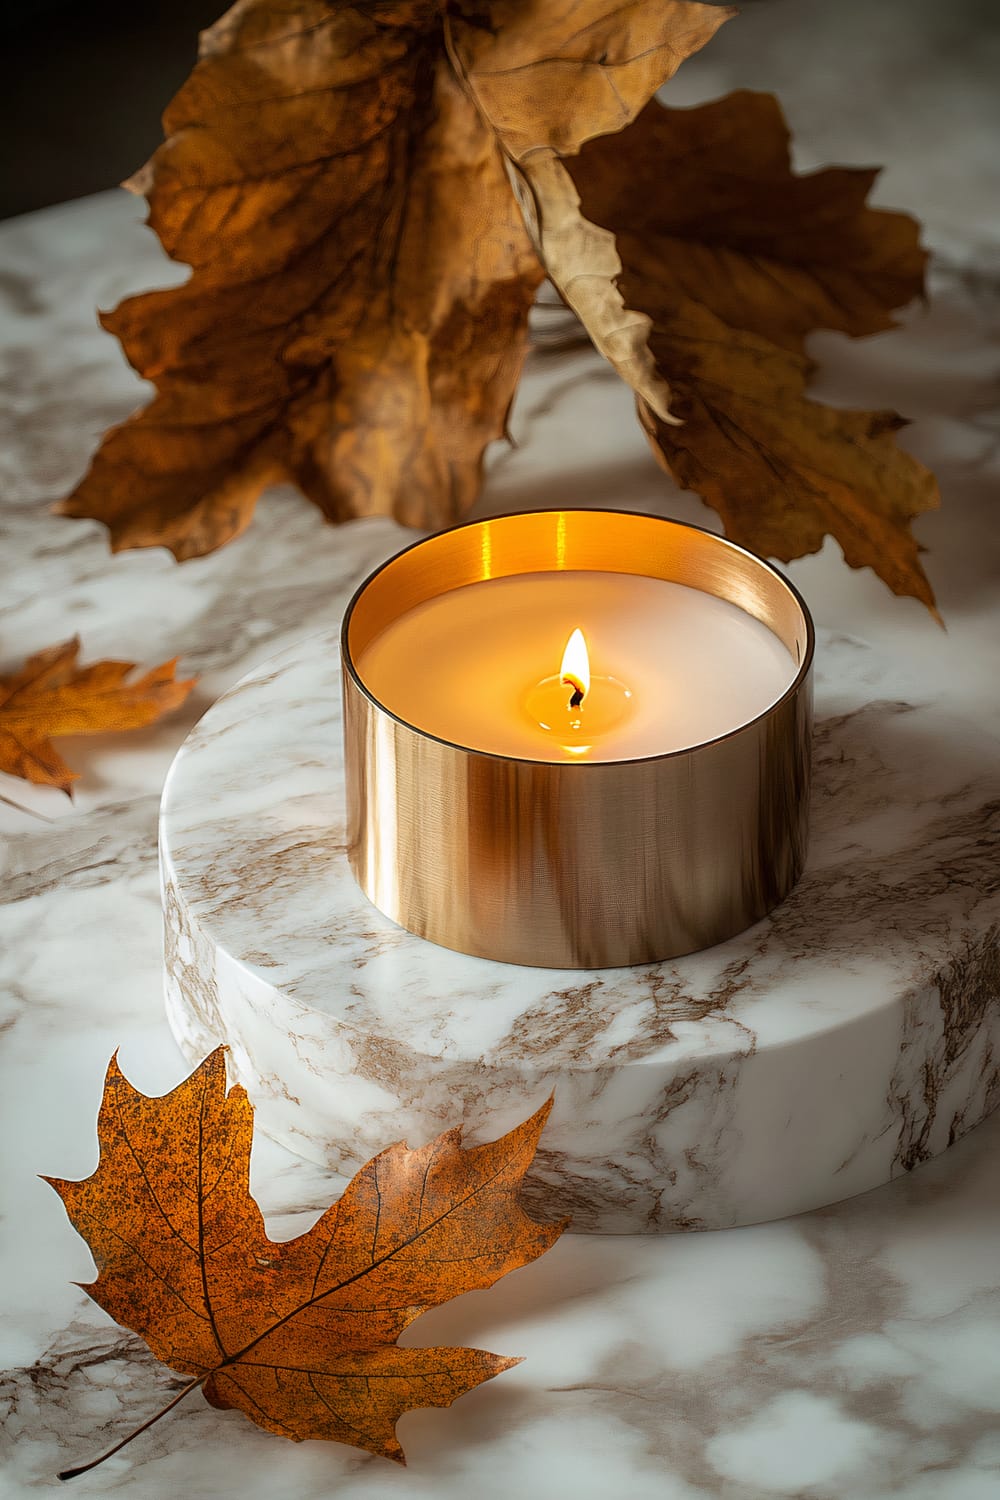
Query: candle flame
575, 669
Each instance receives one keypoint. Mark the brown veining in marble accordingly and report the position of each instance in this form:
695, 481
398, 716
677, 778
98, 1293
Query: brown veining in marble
190, 970
970, 990
969, 998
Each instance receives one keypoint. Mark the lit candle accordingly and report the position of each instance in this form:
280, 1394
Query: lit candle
575, 665
576, 738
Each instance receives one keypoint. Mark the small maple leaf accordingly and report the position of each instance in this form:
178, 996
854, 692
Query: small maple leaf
735, 259
52, 696
299, 1335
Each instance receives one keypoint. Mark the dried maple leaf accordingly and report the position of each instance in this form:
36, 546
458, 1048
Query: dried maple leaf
299, 1335
549, 77
52, 696
735, 259
356, 316
338, 178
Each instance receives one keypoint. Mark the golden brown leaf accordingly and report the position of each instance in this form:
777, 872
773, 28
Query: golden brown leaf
735, 259
300, 1335
356, 317
782, 471
704, 204
548, 77
337, 176
52, 696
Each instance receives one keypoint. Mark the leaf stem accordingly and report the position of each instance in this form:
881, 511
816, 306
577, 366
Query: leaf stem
9, 801
82, 1468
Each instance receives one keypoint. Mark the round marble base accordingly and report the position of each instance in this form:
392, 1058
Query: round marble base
851, 1035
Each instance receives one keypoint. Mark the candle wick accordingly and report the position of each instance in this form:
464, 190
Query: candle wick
576, 698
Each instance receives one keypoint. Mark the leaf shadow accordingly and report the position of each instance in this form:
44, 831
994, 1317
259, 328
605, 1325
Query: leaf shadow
85, 753
574, 1275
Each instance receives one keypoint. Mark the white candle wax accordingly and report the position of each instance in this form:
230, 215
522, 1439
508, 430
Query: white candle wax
462, 665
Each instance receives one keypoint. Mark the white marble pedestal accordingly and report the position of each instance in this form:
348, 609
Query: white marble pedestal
847, 1038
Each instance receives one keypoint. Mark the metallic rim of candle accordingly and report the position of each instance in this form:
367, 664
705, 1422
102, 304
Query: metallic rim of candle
577, 864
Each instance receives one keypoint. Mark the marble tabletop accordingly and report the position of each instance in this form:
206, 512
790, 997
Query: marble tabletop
849, 1354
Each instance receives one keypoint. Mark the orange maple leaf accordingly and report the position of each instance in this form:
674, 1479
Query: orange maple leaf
301, 1335
52, 696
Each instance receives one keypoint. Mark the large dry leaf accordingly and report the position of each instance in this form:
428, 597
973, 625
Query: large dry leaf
299, 1335
356, 316
549, 77
782, 471
704, 204
355, 321
735, 259
52, 696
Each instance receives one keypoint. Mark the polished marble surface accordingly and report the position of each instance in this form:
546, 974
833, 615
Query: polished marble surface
849, 1354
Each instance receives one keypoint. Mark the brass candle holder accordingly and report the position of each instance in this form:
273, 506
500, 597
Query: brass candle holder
577, 864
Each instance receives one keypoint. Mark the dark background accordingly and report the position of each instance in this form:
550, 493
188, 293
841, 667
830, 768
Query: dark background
83, 83
82, 86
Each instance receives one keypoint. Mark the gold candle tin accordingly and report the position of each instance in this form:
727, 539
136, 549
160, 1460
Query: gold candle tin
577, 864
